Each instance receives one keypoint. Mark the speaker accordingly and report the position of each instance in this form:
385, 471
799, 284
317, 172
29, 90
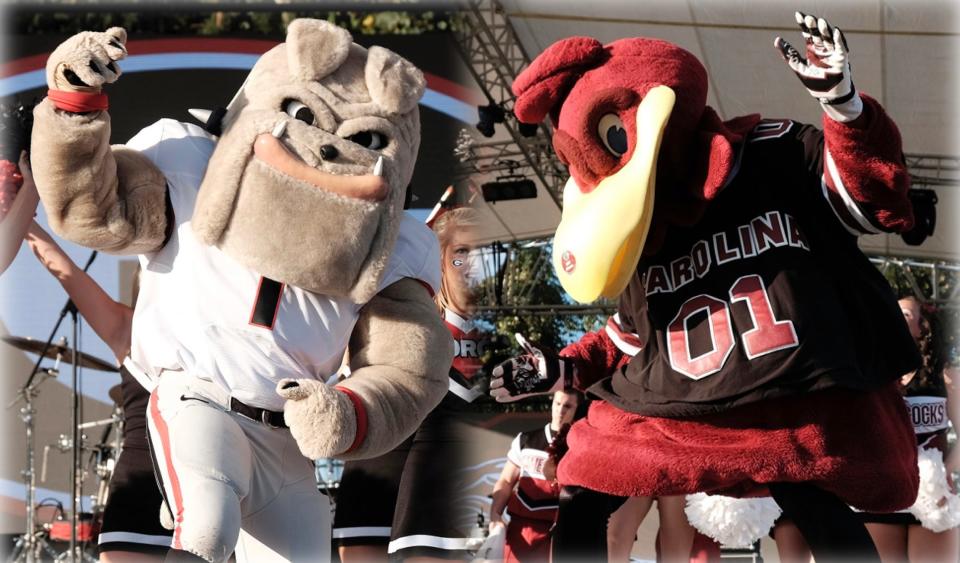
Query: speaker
507, 189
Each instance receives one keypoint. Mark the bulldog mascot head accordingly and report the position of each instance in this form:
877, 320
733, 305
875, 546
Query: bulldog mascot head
307, 182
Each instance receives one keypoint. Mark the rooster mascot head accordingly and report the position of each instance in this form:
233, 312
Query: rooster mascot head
632, 124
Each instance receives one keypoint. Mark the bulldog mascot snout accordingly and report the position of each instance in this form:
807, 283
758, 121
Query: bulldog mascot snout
268, 251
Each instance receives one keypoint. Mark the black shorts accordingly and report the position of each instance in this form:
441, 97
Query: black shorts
899, 518
426, 519
131, 520
366, 498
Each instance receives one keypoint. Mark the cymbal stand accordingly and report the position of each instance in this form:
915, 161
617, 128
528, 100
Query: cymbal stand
28, 545
75, 489
103, 457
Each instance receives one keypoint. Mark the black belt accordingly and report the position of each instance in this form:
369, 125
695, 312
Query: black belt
273, 419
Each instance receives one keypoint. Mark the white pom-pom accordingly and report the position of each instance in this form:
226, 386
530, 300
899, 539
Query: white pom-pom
166, 518
937, 508
734, 522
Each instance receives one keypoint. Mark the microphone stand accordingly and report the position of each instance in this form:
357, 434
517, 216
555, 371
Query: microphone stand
75, 433
75, 474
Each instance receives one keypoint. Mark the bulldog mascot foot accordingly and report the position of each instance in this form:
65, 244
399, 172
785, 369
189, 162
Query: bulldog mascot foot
268, 251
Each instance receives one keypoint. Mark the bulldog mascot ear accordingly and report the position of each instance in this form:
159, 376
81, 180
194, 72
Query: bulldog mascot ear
307, 182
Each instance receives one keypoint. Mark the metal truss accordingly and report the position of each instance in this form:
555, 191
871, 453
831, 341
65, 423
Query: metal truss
494, 55
504, 156
548, 310
932, 281
933, 170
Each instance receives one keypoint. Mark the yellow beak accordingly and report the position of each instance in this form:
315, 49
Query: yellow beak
601, 233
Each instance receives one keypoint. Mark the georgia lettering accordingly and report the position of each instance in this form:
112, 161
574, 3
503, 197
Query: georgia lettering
469, 348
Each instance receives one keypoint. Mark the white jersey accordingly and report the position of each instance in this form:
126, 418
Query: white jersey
196, 306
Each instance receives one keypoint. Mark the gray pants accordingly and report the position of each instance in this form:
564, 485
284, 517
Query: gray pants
233, 484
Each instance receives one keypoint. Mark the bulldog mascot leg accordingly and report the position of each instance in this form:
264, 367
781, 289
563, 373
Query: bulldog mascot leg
768, 345
267, 252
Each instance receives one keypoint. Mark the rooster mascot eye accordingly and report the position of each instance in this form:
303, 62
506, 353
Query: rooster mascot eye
612, 134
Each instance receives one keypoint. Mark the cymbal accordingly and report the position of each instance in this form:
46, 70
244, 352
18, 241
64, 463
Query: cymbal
65, 353
116, 395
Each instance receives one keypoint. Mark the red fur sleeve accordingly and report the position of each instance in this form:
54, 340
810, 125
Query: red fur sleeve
864, 171
595, 357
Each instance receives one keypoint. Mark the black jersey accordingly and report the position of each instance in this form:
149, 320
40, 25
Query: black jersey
135, 399
535, 497
767, 295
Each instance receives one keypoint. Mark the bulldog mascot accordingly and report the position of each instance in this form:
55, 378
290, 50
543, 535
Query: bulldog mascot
267, 252
765, 345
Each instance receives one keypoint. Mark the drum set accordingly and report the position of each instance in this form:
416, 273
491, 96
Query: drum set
54, 533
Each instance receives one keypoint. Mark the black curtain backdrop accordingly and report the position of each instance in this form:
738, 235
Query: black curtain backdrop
141, 98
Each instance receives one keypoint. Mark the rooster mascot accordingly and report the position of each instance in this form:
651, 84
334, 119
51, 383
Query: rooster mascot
765, 345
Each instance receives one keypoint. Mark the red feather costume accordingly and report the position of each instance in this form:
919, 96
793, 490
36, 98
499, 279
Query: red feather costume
818, 405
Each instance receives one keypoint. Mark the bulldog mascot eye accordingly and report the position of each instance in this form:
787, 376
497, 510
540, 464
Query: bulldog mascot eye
297, 110
369, 140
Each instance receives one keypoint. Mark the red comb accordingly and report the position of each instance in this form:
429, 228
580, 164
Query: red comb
542, 86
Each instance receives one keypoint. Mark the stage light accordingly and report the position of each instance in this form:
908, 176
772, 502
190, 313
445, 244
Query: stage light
528, 129
505, 189
924, 216
489, 114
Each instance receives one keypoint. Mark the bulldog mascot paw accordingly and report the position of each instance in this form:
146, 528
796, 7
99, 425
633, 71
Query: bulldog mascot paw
269, 249
87, 61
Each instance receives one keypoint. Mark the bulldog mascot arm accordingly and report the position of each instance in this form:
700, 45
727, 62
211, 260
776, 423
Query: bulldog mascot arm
279, 240
102, 198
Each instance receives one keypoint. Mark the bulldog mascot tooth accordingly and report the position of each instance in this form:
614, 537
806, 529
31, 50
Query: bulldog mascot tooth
267, 253
765, 345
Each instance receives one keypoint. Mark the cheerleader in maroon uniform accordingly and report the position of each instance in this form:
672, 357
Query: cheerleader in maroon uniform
927, 531
526, 489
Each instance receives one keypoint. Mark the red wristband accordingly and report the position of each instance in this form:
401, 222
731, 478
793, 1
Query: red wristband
361, 413
78, 102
